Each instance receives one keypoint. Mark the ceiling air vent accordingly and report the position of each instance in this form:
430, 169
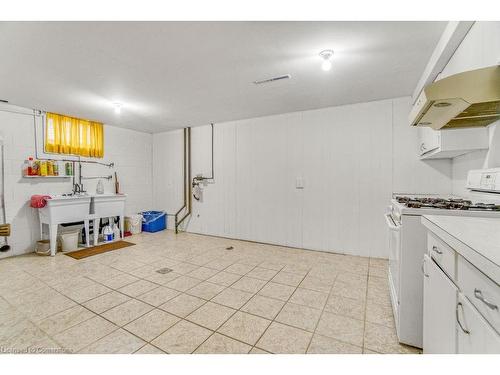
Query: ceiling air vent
274, 79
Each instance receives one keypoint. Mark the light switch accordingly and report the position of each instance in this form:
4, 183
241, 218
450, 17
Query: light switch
299, 183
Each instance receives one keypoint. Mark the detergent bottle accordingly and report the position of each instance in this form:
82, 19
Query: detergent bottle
107, 234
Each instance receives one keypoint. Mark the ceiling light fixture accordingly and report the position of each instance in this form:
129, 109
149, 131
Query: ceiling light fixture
326, 55
118, 107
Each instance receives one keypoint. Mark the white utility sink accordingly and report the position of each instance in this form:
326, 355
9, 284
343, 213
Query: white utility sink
85, 207
64, 209
107, 205
104, 205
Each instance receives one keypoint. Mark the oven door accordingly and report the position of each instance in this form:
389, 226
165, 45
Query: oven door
394, 239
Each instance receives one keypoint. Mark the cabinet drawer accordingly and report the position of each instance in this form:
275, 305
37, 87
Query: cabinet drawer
442, 254
474, 334
480, 290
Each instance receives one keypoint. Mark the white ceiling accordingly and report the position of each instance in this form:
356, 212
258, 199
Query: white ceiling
176, 74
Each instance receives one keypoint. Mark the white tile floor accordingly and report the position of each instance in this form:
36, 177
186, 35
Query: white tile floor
253, 299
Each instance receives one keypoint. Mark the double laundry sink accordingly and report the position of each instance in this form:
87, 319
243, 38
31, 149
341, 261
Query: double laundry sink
81, 207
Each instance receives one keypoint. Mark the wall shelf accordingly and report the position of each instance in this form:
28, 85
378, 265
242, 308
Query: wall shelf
47, 176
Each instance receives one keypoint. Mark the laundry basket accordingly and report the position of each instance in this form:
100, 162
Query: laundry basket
154, 221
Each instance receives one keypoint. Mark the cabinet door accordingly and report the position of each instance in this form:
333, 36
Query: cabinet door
440, 298
429, 140
475, 335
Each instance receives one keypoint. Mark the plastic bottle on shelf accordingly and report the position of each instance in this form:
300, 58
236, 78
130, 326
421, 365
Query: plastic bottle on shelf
69, 168
31, 169
36, 168
55, 168
43, 168
26, 168
100, 187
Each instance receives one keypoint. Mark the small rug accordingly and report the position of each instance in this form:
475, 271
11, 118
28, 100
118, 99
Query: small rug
88, 252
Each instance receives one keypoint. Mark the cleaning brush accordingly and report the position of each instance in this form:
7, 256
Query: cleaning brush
4, 230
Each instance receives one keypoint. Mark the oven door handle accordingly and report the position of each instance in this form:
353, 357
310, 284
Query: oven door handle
390, 223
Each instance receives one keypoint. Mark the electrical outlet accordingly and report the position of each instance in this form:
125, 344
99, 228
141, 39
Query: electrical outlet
299, 183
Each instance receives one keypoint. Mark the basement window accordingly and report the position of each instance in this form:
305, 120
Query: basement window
73, 136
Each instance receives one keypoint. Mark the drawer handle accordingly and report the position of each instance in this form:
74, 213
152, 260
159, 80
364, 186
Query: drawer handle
466, 331
479, 295
436, 250
423, 268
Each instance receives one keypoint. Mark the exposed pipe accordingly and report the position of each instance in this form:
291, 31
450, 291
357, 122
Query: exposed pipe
109, 177
201, 178
188, 201
183, 179
197, 179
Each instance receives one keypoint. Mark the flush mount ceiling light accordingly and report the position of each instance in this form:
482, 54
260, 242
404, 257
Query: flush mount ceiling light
327, 56
118, 107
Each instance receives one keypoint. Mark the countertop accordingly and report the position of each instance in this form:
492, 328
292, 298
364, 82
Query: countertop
477, 239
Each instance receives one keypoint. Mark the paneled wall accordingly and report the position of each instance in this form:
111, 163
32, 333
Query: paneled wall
131, 151
345, 156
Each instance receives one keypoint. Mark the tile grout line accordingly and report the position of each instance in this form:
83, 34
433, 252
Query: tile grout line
321, 315
184, 318
81, 304
135, 298
281, 309
239, 309
258, 316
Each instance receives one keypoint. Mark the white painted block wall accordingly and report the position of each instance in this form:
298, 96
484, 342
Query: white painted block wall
131, 151
479, 49
351, 159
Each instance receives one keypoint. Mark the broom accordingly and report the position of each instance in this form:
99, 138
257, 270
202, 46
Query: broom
4, 230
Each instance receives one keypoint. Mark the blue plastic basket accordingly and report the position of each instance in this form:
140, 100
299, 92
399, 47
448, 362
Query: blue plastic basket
154, 221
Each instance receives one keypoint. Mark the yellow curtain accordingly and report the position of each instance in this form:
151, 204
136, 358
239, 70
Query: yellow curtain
73, 136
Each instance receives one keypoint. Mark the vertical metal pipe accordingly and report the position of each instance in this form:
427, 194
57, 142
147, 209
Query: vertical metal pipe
188, 187
184, 181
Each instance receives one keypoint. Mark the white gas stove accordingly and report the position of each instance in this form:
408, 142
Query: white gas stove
407, 243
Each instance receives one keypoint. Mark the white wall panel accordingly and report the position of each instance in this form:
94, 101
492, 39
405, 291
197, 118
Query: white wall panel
167, 171
345, 156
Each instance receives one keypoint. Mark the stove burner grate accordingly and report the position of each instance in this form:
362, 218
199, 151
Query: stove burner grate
446, 204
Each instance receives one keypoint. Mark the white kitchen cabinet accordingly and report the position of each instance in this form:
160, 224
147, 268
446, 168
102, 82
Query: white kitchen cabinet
474, 334
440, 299
461, 306
449, 143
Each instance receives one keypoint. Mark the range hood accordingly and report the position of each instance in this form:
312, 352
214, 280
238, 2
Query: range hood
468, 99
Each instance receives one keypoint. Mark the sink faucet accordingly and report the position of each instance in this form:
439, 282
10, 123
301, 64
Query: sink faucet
78, 186
78, 189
